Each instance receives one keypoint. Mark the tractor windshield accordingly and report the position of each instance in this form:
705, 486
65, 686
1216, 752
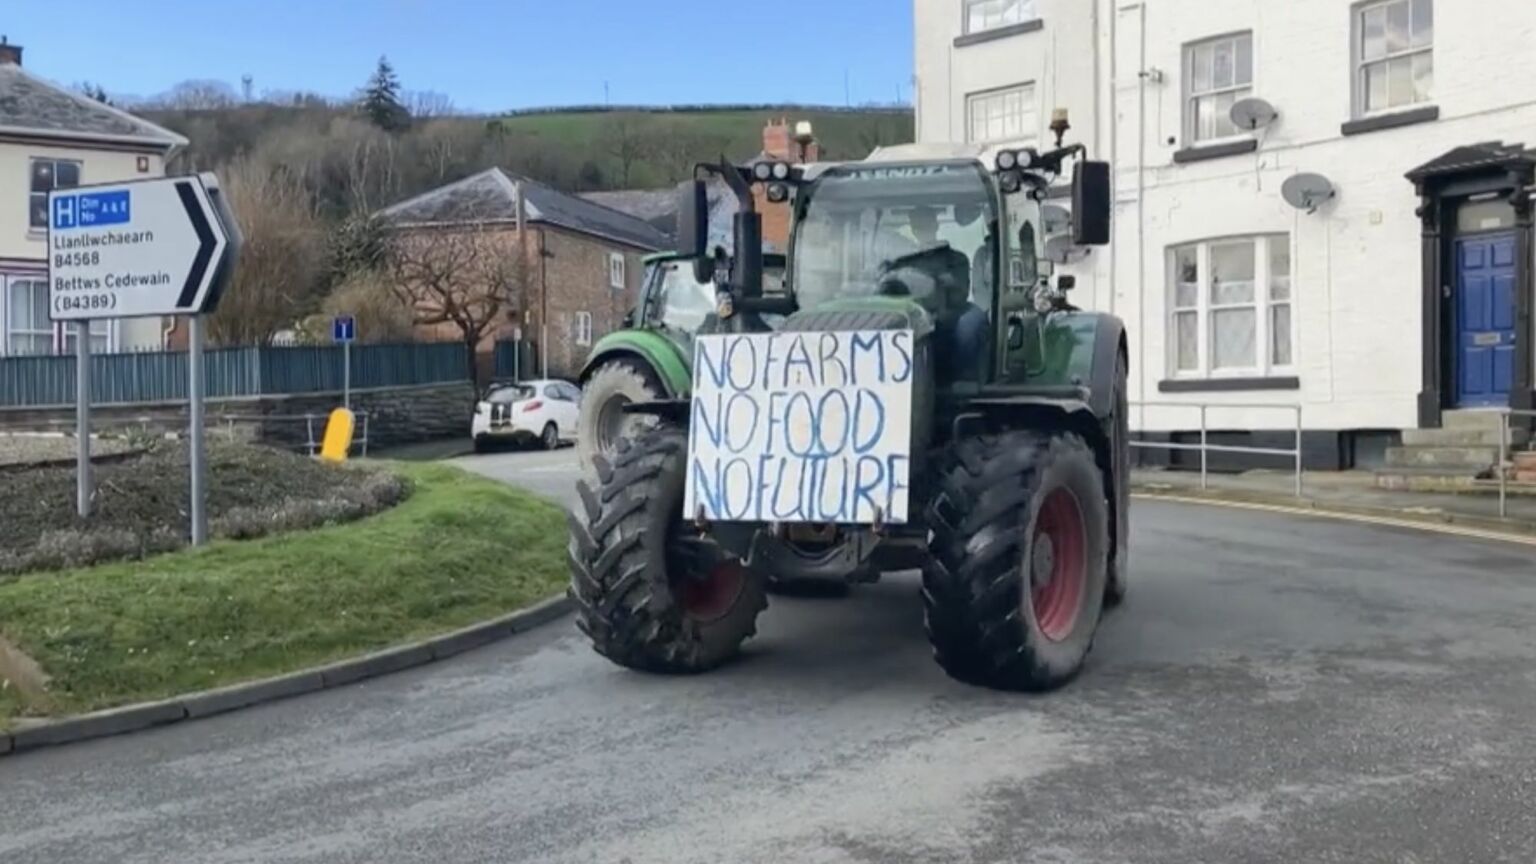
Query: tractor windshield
921, 231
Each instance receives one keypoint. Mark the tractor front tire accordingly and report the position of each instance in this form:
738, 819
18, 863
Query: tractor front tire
651, 593
602, 422
1119, 486
1015, 589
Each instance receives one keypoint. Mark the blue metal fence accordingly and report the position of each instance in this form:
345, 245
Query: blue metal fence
161, 376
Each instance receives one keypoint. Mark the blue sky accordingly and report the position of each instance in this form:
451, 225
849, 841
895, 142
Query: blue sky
486, 55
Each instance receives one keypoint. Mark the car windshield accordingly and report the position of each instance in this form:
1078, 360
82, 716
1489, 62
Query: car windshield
923, 231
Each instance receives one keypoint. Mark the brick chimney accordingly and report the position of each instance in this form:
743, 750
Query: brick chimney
10, 55
786, 142
790, 142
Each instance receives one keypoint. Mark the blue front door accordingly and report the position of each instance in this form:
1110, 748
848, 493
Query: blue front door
1485, 320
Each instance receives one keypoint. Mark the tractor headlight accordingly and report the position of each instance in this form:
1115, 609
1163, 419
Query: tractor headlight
1007, 160
781, 170
1026, 157
778, 193
762, 171
1010, 181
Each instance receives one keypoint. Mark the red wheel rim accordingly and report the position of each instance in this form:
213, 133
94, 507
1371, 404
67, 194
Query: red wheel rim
1058, 565
710, 598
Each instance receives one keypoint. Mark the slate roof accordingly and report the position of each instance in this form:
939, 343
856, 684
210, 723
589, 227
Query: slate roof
491, 196
656, 206
659, 208
34, 107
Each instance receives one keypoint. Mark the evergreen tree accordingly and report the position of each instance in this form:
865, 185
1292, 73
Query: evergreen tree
380, 101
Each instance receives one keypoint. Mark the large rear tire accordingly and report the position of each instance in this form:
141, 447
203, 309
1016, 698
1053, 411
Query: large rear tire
1020, 559
651, 593
602, 422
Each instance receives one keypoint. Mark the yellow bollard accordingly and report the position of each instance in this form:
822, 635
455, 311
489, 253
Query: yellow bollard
338, 436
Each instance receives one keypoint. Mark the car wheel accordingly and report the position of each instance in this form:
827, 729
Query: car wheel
551, 436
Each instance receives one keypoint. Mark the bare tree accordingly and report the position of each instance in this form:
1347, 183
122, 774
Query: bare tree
198, 95
678, 147
627, 143
426, 104
366, 296
282, 264
465, 277
444, 150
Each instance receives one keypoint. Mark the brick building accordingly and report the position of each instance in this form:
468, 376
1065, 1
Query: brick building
582, 259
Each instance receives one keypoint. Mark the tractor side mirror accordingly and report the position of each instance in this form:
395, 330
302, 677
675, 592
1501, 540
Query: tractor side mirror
693, 220
1092, 205
1015, 334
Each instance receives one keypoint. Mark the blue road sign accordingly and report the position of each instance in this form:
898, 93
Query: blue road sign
343, 328
91, 208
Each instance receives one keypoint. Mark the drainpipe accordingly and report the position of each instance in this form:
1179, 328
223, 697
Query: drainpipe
544, 306
1113, 122
1141, 205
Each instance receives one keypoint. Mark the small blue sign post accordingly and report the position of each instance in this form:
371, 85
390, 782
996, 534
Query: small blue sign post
344, 331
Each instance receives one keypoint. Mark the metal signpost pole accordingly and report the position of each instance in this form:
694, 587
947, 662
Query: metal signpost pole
346, 374
196, 442
83, 416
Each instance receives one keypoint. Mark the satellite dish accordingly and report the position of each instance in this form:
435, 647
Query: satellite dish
1252, 114
1055, 219
1307, 191
1061, 250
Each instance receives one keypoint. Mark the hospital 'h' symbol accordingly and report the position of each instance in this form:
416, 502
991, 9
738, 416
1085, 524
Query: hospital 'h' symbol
64, 214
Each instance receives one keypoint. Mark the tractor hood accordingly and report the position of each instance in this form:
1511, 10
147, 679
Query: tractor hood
863, 313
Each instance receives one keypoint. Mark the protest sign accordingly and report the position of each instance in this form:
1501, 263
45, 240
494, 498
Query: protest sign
801, 427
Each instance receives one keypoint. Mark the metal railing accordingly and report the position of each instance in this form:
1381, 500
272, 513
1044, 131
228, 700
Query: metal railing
1505, 463
311, 443
1205, 447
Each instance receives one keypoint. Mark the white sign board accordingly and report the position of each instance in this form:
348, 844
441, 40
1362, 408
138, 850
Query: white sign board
801, 427
151, 247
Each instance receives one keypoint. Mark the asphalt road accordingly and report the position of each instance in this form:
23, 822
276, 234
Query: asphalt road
1276, 690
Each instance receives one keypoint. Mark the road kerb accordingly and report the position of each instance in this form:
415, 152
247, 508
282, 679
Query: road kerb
131, 718
1442, 522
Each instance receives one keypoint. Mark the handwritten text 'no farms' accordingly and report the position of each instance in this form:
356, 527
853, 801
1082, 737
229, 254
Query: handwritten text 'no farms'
801, 427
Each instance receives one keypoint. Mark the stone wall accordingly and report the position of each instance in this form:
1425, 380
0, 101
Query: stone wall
395, 415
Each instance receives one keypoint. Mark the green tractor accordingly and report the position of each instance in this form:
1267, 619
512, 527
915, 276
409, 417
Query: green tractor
1007, 484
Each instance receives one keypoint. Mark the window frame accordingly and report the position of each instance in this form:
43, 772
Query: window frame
1029, 99
1359, 86
1264, 304
581, 323
617, 277
105, 332
32, 193
1031, 13
1191, 132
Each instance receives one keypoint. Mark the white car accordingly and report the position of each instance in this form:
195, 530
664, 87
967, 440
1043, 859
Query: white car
526, 411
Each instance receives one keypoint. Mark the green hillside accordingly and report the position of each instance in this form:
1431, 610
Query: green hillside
665, 141
348, 163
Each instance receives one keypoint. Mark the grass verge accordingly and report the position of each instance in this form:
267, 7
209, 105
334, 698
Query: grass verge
460, 549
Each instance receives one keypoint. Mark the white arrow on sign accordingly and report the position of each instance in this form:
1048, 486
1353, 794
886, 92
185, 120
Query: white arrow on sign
124, 250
